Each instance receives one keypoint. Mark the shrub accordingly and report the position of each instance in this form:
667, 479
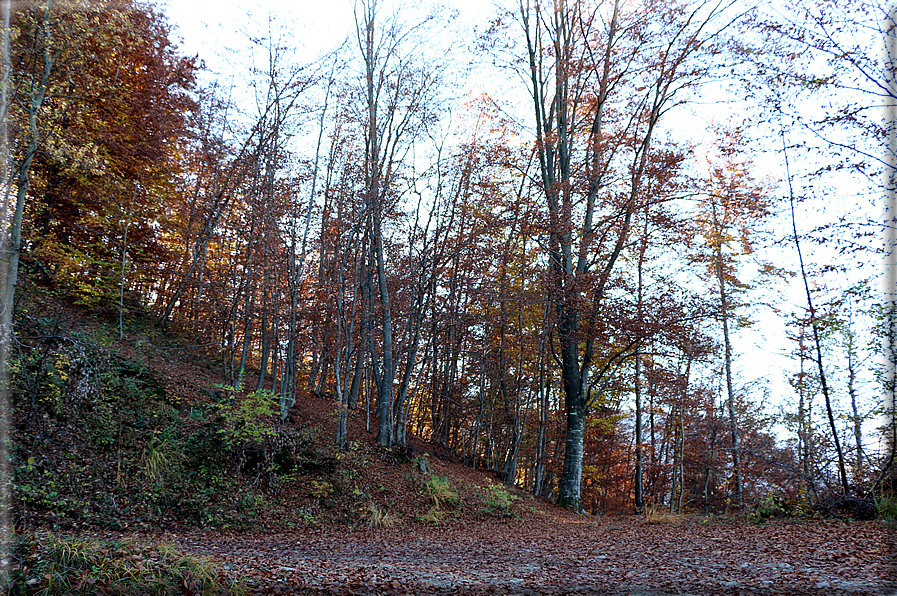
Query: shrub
321, 490
378, 518
498, 501
887, 507
656, 514
441, 493
162, 457
433, 516
774, 505
248, 421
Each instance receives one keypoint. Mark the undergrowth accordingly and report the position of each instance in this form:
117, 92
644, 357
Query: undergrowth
498, 501
98, 442
887, 510
656, 514
775, 505
378, 518
46, 564
441, 492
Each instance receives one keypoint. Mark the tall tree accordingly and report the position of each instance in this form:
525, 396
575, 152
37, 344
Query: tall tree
600, 78
733, 207
397, 95
817, 341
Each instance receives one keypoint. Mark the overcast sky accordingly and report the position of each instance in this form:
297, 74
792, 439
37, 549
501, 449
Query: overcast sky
209, 27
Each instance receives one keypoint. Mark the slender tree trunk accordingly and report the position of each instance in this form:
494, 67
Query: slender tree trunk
681, 462
248, 307
481, 398
124, 262
653, 436
6, 320
730, 393
266, 345
814, 323
544, 390
357, 374
639, 498
385, 435
855, 418
13, 242
710, 453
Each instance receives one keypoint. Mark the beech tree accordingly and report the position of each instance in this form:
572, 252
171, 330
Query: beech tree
600, 78
101, 135
820, 90
732, 208
397, 96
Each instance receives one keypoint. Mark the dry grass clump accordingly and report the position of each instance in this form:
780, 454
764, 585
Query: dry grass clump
378, 518
656, 515
46, 564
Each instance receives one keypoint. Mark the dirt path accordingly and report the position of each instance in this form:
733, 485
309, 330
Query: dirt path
623, 556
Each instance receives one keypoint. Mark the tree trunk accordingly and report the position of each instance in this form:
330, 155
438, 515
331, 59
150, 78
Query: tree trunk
730, 393
842, 470
573, 451
266, 350
357, 374
639, 497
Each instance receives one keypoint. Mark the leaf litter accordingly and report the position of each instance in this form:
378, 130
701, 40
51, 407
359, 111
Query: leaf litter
563, 554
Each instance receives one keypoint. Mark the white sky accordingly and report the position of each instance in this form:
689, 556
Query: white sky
205, 26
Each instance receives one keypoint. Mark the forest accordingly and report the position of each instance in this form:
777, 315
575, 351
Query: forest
627, 256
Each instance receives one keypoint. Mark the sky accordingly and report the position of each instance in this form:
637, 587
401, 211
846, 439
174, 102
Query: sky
206, 26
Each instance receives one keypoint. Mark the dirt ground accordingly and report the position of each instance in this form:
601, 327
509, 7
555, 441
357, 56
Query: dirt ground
566, 555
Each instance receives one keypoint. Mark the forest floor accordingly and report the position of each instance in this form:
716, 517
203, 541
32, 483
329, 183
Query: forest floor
562, 554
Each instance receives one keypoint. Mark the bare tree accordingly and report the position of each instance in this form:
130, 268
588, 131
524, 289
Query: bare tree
398, 94
600, 78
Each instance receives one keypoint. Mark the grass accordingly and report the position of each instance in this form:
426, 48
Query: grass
378, 518
657, 515
887, 510
45, 564
498, 500
441, 493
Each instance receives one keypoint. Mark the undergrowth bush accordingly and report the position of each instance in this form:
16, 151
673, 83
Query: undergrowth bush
774, 505
98, 442
379, 518
887, 510
657, 514
498, 500
441, 493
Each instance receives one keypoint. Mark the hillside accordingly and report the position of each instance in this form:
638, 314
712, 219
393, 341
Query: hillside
136, 432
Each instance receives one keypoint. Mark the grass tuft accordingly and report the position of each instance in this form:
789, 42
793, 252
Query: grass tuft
441, 493
378, 518
656, 515
45, 564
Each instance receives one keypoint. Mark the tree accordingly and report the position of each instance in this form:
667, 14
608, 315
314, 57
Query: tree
6, 329
600, 79
398, 100
819, 87
732, 208
817, 341
96, 140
